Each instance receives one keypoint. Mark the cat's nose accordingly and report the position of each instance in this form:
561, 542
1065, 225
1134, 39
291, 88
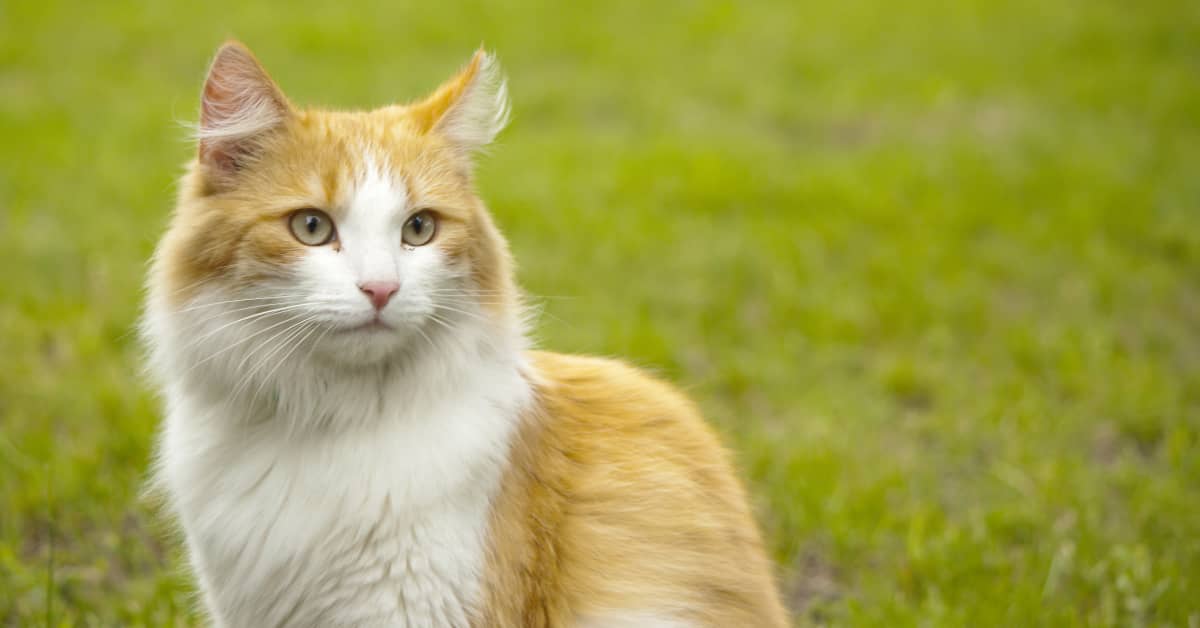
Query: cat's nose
379, 292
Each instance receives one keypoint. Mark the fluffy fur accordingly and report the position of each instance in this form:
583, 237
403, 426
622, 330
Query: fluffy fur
331, 463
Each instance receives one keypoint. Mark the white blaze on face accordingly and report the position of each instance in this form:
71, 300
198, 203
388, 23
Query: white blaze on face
374, 218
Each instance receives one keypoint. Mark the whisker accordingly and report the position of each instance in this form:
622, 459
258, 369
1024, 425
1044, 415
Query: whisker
256, 306
474, 315
279, 362
200, 306
195, 343
462, 291
471, 292
425, 336
243, 340
268, 340
443, 322
315, 343
273, 297
295, 331
249, 377
198, 283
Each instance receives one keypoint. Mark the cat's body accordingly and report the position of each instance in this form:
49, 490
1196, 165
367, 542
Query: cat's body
357, 432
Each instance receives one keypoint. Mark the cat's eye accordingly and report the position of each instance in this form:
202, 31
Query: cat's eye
312, 227
419, 229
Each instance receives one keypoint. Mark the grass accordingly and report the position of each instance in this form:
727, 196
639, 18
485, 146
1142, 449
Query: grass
933, 269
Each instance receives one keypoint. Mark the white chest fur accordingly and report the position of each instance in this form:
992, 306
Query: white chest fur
381, 524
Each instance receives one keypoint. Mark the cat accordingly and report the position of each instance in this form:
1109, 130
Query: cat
357, 430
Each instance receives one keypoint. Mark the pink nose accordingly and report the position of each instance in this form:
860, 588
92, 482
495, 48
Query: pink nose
379, 292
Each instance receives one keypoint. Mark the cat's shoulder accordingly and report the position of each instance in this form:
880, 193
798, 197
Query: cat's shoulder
607, 400
603, 383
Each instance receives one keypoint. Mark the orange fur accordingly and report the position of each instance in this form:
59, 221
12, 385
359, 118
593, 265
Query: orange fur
620, 497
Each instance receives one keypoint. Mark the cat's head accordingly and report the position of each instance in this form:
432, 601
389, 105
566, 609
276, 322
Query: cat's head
343, 236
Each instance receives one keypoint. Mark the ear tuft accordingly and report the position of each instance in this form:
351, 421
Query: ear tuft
483, 109
239, 104
470, 109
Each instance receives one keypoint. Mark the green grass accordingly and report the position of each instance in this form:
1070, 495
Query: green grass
933, 268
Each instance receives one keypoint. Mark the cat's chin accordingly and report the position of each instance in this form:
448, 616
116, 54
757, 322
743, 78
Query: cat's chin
367, 344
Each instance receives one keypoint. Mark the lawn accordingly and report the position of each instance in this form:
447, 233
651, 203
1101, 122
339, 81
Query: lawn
932, 268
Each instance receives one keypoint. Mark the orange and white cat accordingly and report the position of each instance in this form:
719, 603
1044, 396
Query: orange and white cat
357, 431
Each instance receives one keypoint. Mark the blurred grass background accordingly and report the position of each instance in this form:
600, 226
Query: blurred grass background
933, 268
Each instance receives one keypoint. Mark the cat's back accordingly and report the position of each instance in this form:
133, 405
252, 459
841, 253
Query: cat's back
623, 508
621, 423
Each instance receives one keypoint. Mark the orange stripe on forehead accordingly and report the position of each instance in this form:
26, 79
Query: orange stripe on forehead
433, 185
331, 185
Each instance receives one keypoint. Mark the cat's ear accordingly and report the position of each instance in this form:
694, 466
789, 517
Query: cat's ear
471, 108
239, 106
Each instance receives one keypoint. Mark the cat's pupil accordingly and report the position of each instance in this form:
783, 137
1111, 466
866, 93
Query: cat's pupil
310, 223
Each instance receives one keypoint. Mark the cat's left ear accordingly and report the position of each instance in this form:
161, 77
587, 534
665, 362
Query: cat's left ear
470, 109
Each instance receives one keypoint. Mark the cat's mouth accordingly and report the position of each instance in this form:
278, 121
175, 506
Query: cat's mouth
374, 325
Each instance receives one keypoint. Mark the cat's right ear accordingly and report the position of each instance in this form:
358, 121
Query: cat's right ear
239, 107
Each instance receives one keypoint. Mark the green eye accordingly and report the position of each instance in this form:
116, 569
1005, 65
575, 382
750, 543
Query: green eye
419, 229
312, 227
